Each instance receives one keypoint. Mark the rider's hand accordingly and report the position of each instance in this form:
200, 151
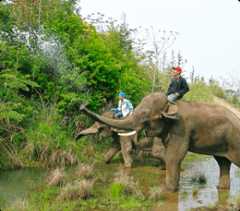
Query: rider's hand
177, 94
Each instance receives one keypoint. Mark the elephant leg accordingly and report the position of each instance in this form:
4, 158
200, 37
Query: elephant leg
175, 153
126, 148
158, 149
224, 165
111, 153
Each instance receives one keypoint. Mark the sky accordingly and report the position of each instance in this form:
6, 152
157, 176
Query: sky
209, 30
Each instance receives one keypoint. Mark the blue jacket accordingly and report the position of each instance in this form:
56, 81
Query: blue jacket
125, 106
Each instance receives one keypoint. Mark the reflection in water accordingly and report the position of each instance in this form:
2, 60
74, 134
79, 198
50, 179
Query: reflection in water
193, 195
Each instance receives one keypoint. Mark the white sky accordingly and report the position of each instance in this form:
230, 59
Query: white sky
209, 29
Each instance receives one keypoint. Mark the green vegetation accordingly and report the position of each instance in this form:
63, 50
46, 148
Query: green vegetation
51, 61
50, 64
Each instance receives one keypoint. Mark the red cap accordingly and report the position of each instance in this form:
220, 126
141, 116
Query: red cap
177, 69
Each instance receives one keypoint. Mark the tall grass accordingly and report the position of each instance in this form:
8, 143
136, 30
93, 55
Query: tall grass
48, 142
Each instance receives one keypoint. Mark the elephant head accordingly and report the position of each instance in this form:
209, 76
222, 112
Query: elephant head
152, 107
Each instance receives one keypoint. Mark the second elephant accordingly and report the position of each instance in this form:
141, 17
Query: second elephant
151, 146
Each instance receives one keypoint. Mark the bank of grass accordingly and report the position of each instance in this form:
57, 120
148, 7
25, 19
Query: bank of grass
49, 143
199, 92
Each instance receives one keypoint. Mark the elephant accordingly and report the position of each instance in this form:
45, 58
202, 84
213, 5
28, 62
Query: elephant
186, 126
120, 144
124, 144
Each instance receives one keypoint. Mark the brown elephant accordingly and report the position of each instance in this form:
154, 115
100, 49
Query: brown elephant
196, 127
120, 144
124, 144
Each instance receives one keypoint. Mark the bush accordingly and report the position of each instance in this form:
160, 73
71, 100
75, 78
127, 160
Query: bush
76, 190
199, 92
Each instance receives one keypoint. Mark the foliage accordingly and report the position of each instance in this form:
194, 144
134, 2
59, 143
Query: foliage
53, 60
199, 92
51, 56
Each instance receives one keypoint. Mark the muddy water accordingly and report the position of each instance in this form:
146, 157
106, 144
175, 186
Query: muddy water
195, 194
17, 185
192, 193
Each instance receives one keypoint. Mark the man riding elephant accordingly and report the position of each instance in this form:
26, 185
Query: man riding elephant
178, 86
196, 127
123, 142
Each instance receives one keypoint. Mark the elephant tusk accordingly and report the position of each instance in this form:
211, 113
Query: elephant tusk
128, 134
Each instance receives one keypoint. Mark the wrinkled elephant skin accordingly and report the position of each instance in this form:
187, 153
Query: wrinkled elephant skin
197, 127
123, 144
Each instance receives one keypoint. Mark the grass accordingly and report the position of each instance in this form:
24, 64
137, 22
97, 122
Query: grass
130, 186
20, 205
56, 177
156, 194
95, 191
76, 190
199, 92
84, 171
50, 145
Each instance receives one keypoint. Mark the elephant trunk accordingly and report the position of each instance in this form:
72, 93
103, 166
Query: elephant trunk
88, 131
125, 124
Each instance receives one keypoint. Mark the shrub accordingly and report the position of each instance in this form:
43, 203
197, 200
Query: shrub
76, 190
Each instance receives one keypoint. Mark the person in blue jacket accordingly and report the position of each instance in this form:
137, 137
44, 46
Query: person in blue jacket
124, 108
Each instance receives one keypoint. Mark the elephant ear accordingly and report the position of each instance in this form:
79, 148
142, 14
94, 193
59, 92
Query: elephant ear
171, 112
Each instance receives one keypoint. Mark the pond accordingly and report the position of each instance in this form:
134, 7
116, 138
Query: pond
18, 184
15, 185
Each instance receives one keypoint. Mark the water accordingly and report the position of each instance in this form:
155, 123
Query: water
17, 185
194, 195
